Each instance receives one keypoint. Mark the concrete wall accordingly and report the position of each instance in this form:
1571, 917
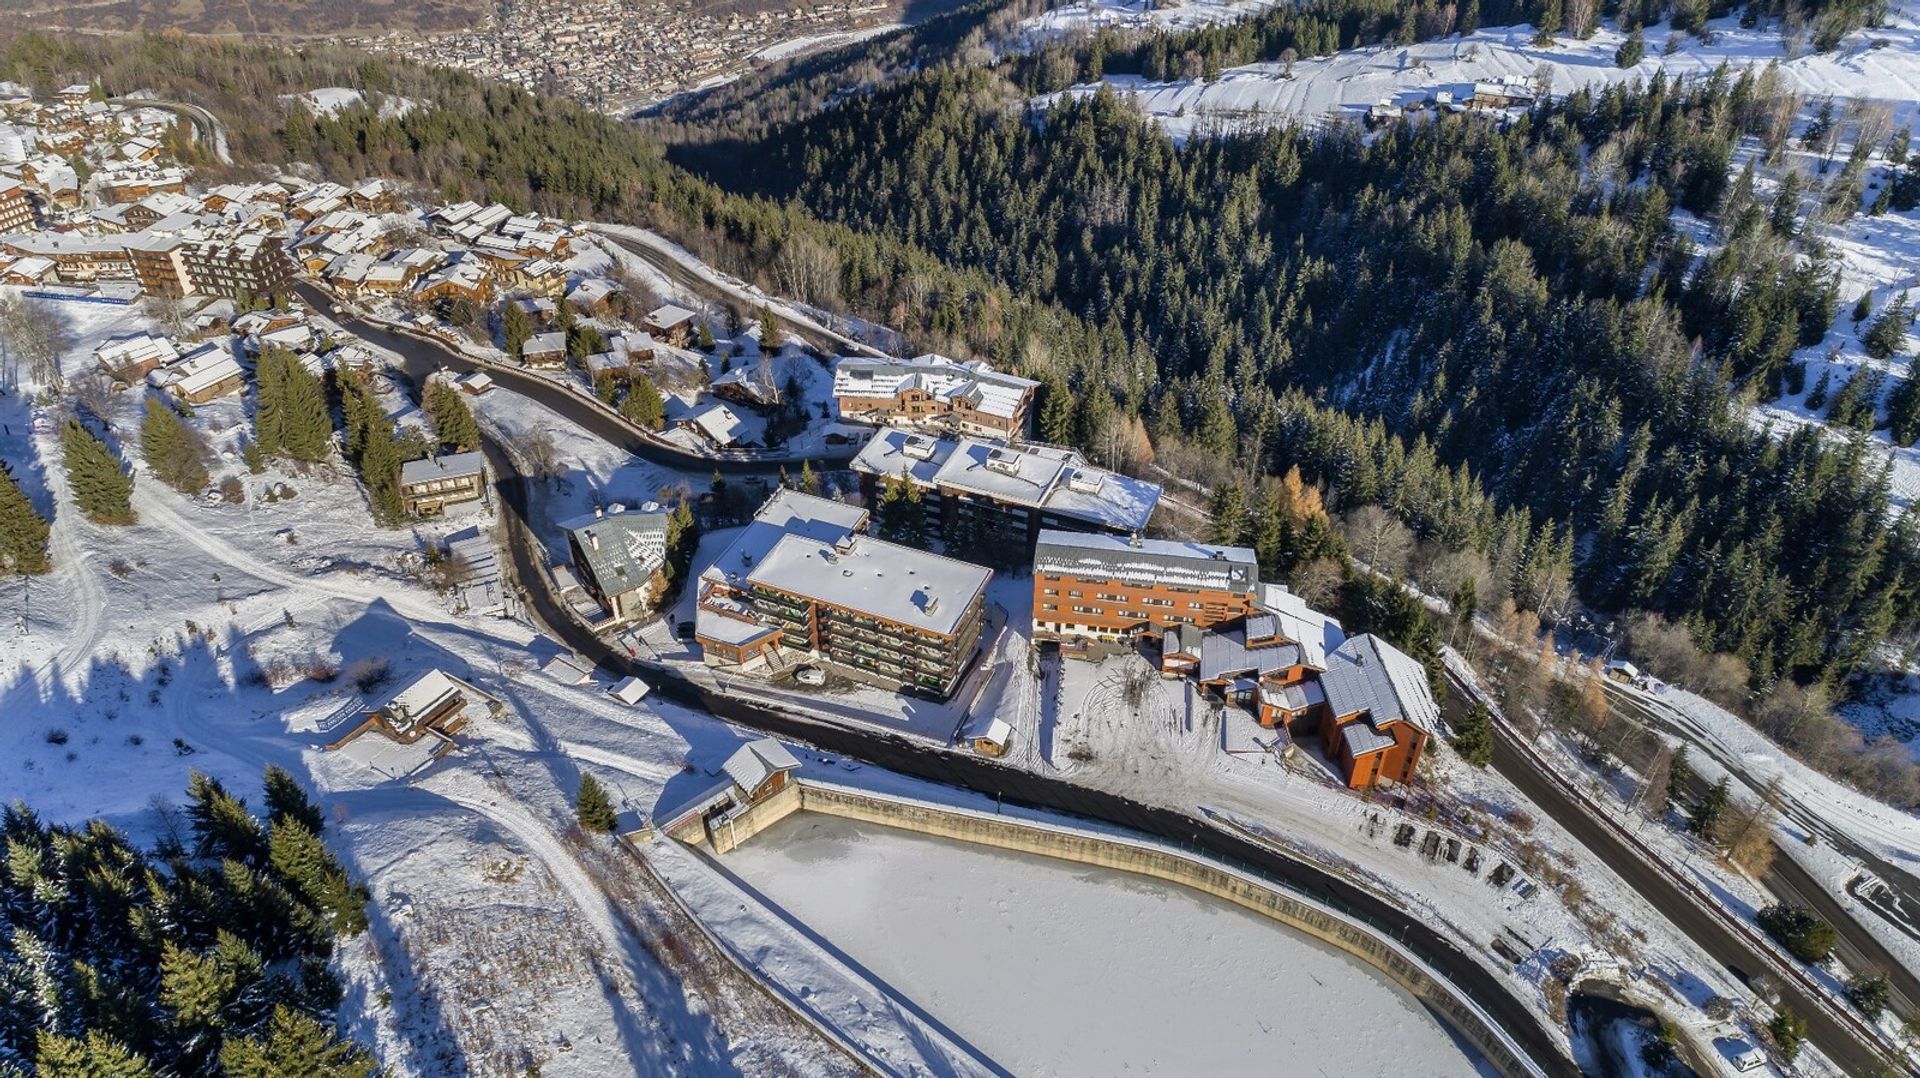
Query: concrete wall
744, 825
1162, 863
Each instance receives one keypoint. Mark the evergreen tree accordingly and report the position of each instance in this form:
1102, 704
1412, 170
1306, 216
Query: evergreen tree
102, 489
1903, 407
703, 336
286, 800
174, 452
516, 328
294, 1046
1864, 307
453, 422
92, 1055
1712, 807
1817, 396
1679, 777
1789, 1032
643, 405
769, 331
1473, 736
23, 531
290, 416
1230, 517
222, 826
316, 875
1055, 416
809, 482
1888, 332
1870, 992
1632, 51
593, 807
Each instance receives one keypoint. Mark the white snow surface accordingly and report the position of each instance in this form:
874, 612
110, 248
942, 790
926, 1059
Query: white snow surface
1051, 968
1347, 83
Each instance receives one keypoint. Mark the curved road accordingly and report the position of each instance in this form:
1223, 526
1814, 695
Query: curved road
206, 125
1521, 1022
423, 356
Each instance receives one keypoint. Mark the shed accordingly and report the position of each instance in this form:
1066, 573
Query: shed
629, 691
567, 670
760, 767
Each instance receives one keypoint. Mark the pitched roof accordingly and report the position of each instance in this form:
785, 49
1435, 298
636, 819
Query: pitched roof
756, 761
621, 549
1367, 674
1223, 654
447, 466
1317, 633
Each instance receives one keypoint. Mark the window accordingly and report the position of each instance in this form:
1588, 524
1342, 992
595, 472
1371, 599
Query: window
1049, 591
1075, 595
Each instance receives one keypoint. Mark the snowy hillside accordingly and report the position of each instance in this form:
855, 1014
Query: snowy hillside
1884, 66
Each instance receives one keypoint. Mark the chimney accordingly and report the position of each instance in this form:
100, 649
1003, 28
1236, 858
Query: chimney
599, 512
1133, 540
593, 538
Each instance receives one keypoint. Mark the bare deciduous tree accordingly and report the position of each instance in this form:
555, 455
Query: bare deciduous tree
1379, 539
36, 335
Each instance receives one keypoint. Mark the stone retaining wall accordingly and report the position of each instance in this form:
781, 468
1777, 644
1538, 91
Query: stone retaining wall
1162, 863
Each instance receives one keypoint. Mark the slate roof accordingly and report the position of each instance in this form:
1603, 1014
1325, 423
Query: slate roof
1367, 674
620, 550
1226, 653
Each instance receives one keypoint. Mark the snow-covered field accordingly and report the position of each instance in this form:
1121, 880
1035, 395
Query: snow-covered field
1049, 968
333, 100
1347, 83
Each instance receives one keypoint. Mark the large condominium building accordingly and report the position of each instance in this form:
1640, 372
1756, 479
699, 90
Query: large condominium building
889, 613
248, 265
1004, 490
971, 397
16, 212
1109, 589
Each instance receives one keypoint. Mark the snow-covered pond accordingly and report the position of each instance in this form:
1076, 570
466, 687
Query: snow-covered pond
1051, 968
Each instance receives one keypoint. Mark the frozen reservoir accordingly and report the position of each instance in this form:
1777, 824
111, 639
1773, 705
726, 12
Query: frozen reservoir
1053, 968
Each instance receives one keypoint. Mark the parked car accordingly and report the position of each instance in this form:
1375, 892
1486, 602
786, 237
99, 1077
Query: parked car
810, 675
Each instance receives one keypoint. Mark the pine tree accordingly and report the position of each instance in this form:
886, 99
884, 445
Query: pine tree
1230, 519
809, 482
1788, 1031
290, 416
1056, 410
1889, 332
1817, 396
93, 1055
316, 875
703, 336
287, 801
1870, 992
515, 328
222, 826
23, 531
1863, 308
643, 405
295, 1046
769, 331
1679, 776
1712, 806
174, 452
102, 489
1632, 51
195, 988
593, 807
1473, 736
453, 422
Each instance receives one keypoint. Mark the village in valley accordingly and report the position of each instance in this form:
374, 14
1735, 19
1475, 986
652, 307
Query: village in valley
450, 504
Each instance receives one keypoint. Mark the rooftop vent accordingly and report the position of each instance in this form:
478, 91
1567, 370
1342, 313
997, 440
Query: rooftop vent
1003, 460
1086, 480
918, 446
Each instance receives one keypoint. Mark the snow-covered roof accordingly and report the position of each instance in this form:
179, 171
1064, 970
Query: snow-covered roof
668, 317
445, 466
543, 344
721, 628
135, 349
787, 512
1367, 674
419, 699
622, 549
1145, 562
1362, 739
980, 386
1226, 653
567, 670
1315, 632
629, 691
1057, 480
896, 583
718, 422
753, 763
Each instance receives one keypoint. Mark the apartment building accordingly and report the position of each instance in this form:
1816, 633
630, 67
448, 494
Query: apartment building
248, 265
16, 211
1109, 589
1004, 491
886, 613
970, 397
